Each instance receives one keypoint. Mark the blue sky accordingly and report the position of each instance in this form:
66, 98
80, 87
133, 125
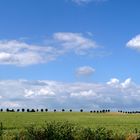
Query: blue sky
69, 43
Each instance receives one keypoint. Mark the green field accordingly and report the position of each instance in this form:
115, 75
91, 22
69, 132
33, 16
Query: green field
117, 122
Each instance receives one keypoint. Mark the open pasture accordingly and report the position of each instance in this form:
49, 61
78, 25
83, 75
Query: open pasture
117, 122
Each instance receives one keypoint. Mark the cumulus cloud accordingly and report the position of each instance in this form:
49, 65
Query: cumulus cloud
114, 82
134, 43
127, 83
114, 94
21, 53
85, 71
75, 42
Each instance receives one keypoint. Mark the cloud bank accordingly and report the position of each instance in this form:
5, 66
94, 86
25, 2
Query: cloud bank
53, 94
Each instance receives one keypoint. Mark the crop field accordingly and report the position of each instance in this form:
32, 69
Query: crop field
118, 122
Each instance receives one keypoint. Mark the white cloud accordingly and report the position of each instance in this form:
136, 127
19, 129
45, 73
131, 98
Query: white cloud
39, 92
20, 53
75, 42
53, 94
113, 82
84, 94
9, 104
4, 56
134, 43
81, 1
127, 83
85, 71
87, 1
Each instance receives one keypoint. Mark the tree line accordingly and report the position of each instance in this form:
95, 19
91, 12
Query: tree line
46, 110
129, 112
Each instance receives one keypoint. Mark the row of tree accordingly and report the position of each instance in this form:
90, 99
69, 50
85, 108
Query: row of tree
129, 112
100, 111
46, 110
24, 110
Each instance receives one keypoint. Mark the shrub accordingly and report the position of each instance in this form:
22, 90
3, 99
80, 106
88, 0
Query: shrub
103, 134
59, 131
50, 131
34, 133
86, 134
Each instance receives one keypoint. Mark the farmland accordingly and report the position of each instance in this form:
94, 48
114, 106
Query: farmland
118, 122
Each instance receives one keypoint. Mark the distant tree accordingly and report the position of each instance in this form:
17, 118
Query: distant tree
1, 110
28, 110
70, 110
54, 110
42, 110
81, 110
12, 110
32, 110
91, 111
46, 110
7, 110
18, 110
23, 110
97, 111
108, 110
37, 110
63, 110
103, 111
94, 111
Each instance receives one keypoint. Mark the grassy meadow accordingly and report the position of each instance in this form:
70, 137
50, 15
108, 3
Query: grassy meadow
118, 122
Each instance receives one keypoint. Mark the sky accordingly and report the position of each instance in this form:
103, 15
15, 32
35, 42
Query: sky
70, 54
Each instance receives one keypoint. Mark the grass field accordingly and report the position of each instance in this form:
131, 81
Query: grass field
117, 122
